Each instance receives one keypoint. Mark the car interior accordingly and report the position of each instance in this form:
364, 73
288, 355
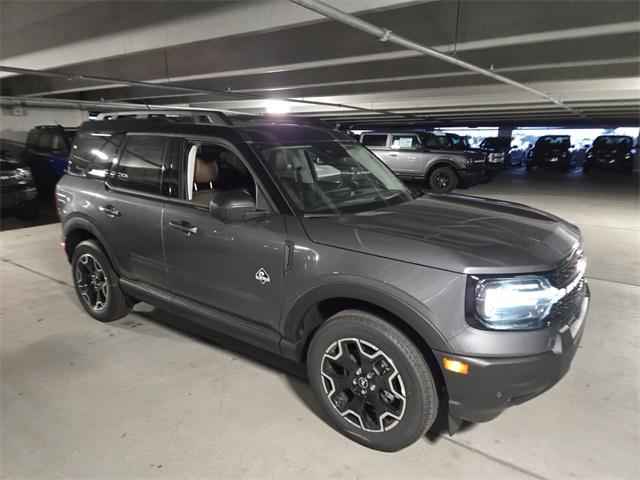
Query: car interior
212, 169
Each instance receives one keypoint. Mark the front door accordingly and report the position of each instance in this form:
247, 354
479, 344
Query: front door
235, 268
406, 155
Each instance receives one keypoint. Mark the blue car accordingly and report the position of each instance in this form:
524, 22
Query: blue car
47, 153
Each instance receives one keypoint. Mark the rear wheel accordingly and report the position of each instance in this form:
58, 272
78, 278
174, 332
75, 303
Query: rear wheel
96, 283
371, 381
443, 180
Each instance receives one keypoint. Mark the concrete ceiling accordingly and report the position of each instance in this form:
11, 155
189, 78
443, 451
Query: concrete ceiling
586, 53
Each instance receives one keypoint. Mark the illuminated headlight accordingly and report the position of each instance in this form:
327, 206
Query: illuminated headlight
627, 156
514, 303
23, 172
519, 303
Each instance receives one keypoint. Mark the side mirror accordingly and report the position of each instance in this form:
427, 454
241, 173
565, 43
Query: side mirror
235, 206
573, 146
531, 145
514, 147
586, 145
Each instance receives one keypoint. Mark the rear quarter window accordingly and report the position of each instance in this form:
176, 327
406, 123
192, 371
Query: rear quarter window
374, 140
92, 154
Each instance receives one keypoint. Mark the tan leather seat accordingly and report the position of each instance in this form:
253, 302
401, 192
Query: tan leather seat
205, 173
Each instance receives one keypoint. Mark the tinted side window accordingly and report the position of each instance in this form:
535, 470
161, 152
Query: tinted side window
373, 140
140, 164
92, 154
32, 139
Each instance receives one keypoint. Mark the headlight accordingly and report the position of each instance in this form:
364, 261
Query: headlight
514, 303
530, 154
589, 154
518, 303
627, 156
23, 172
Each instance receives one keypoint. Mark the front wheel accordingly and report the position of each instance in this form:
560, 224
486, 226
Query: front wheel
443, 180
96, 283
371, 380
528, 166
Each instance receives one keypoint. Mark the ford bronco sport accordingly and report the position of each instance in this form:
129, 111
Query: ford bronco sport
296, 239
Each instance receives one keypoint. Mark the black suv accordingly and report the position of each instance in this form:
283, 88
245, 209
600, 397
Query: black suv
298, 240
552, 151
499, 149
611, 152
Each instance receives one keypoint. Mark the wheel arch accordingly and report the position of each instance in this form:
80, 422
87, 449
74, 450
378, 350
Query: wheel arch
441, 162
78, 229
316, 306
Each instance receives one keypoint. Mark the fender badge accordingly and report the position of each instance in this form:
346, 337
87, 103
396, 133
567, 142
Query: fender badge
262, 276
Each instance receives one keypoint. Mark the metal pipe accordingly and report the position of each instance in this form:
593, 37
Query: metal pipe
386, 35
121, 82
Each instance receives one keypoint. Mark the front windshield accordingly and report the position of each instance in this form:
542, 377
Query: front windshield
329, 177
612, 142
553, 142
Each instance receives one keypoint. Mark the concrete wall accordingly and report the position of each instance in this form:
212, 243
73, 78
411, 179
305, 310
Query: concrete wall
16, 123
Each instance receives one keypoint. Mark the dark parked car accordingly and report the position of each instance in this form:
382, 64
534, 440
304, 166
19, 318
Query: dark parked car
298, 240
612, 152
552, 151
46, 153
426, 156
17, 189
500, 151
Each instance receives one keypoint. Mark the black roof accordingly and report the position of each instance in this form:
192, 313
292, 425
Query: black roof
251, 131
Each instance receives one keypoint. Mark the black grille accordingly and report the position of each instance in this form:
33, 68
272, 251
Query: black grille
567, 271
569, 305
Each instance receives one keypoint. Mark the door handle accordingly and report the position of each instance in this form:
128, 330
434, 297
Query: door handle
393, 154
109, 210
184, 227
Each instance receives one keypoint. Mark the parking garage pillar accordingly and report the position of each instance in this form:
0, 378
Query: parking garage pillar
505, 131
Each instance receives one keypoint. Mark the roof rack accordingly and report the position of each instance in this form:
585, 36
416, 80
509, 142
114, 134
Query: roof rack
212, 117
209, 117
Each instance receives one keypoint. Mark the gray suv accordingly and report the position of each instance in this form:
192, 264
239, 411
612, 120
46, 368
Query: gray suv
296, 239
427, 156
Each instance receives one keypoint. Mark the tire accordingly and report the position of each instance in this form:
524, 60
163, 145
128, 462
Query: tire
528, 166
29, 211
567, 167
96, 282
443, 180
400, 368
586, 169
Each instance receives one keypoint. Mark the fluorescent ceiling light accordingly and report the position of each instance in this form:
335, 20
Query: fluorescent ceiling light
277, 106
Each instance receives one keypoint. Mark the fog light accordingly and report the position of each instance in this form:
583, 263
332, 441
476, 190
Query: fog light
455, 366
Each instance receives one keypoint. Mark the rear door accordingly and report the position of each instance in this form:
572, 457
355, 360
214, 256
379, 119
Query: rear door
130, 212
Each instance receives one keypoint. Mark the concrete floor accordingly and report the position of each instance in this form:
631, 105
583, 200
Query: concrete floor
139, 399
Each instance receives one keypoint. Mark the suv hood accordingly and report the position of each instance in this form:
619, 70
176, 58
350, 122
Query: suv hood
454, 232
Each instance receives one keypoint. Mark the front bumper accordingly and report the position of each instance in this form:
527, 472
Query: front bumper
494, 384
609, 163
558, 160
